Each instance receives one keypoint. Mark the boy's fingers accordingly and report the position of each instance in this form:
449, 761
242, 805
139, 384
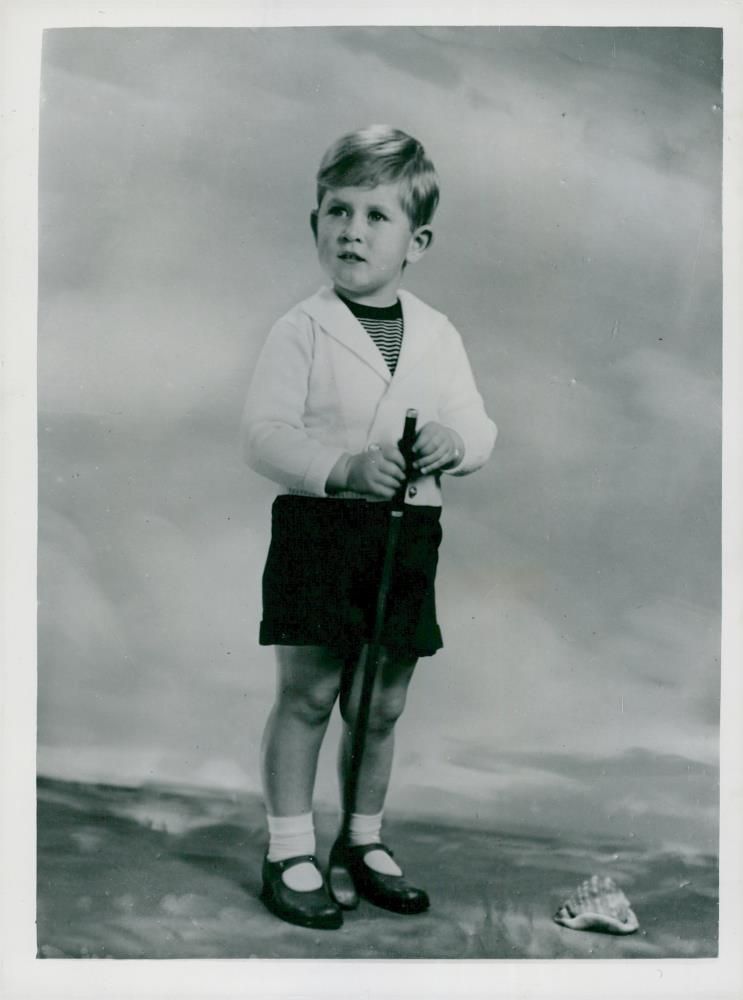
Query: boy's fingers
393, 454
431, 447
428, 432
394, 475
384, 487
390, 472
386, 471
422, 441
436, 460
432, 453
390, 462
389, 453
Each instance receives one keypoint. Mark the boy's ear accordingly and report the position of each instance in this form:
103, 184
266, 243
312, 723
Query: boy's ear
420, 241
313, 223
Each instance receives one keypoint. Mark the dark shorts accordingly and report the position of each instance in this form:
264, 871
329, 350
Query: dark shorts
322, 575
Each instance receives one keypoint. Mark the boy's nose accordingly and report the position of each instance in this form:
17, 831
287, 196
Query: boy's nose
351, 231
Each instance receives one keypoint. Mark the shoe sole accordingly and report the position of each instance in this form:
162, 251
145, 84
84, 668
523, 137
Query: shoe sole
405, 909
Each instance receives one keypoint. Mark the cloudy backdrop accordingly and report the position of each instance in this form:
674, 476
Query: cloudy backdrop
578, 252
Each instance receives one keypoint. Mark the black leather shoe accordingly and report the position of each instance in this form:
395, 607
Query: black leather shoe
307, 909
391, 892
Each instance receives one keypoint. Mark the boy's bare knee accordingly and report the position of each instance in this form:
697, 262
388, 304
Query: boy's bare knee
385, 709
310, 705
308, 684
388, 699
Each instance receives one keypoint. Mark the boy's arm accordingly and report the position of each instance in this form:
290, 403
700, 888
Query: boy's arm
462, 408
275, 441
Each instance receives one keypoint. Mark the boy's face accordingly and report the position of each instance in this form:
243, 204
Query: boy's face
364, 238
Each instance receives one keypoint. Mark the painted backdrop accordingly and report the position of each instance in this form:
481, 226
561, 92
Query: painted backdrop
577, 250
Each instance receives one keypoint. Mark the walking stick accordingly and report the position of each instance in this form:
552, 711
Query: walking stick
340, 885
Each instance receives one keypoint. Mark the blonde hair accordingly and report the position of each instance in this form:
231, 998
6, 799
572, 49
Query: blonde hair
381, 154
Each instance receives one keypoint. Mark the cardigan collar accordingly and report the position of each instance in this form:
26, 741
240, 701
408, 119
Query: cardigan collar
338, 322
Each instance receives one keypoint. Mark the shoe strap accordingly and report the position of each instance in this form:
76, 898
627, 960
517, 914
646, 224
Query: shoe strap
298, 859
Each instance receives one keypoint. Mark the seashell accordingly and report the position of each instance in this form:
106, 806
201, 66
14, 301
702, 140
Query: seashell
598, 905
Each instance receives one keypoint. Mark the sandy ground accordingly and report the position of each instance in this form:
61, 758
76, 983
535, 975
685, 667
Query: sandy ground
164, 873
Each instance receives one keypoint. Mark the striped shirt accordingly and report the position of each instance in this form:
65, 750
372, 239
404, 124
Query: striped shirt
384, 326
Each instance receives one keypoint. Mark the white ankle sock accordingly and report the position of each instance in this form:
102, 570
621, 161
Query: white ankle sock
289, 836
367, 829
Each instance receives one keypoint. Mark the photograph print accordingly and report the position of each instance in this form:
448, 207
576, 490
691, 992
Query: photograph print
316, 680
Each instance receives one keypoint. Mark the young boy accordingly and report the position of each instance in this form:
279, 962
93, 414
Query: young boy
325, 411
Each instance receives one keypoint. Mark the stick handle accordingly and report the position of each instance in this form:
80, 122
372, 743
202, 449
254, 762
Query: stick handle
405, 444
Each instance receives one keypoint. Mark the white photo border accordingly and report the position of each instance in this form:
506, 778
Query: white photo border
22, 974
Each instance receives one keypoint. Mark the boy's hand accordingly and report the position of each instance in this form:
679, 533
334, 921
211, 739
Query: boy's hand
436, 448
377, 472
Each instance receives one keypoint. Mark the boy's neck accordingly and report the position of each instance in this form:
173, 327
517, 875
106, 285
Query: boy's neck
370, 301
357, 306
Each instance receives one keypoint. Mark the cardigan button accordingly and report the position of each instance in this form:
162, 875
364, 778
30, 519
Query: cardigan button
413, 492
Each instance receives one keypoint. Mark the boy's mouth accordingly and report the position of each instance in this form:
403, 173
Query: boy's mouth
348, 255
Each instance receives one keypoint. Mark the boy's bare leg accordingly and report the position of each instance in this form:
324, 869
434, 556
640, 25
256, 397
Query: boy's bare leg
307, 685
359, 865
387, 704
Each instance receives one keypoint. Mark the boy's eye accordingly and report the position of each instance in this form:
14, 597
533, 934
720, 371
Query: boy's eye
376, 216
336, 210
